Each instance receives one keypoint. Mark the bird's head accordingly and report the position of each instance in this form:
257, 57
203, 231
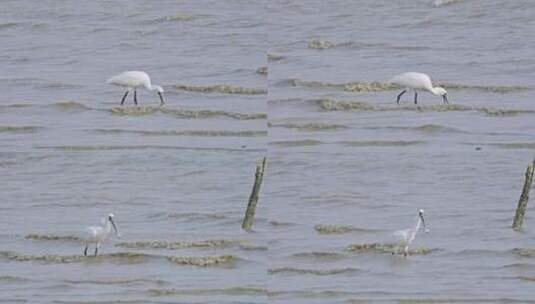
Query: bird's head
421, 215
158, 88
110, 218
441, 92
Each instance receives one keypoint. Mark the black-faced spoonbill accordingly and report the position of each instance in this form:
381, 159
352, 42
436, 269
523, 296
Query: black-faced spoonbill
133, 80
418, 81
97, 234
406, 236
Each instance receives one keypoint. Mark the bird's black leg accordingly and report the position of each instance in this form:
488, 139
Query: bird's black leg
96, 250
85, 250
415, 97
124, 97
399, 96
135, 97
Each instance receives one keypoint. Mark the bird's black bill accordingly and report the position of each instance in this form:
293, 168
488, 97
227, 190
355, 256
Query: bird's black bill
445, 99
423, 220
161, 99
115, 227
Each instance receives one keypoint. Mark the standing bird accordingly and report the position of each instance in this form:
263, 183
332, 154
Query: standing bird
418, 81
97, 234
133, 80
406, 236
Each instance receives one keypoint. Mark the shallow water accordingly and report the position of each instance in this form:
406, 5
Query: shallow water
176, 177
346, 165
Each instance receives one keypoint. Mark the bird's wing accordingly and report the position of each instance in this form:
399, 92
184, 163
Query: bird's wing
412, 80
129, 79
401, 234
93, 231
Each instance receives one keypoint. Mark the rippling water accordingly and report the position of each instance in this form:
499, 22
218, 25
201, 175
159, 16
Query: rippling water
346, 165
349, 166
176, 177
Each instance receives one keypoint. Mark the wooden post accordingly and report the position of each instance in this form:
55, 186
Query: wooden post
253, 198
524, 197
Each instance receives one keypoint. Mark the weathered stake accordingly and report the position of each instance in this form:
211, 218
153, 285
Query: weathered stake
253, 198
524, 197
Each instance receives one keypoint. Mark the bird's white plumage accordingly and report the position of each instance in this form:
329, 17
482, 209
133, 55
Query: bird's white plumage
406, 236
131, 79
413, 80
418, 82
134, 80
97, 234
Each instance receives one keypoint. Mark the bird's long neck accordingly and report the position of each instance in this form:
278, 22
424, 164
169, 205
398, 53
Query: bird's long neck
418, 225
148, 86
107, 227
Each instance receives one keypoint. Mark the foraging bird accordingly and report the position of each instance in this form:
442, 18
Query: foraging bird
418, 81
97, 234
133, 80
406, 236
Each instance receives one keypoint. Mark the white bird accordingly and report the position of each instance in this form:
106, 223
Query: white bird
406, 236
97, 234
133, 80
418, 81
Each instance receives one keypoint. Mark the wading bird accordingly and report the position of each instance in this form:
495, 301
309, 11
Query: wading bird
97, 234
134, 80
418, 82
406, 236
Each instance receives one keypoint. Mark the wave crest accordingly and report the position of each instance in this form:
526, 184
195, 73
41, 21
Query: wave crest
234, 291
180, 245
338, 229
312, 126
221, 88
385, 248
52, 237
205, 261
209, 133
342, 105
318, 272
20, 129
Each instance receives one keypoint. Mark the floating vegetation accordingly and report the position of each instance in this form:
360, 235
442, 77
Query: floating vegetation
318, 272
180, 245
52, 237
274, 57
340, 105
208, 133
54, 259
385, 248
297, 143
182, 113
312, 126
262, 70
339, 229
249, 247
204, 261
373, 86
221, 88
320, 44
492, 89
319, 255
19, 129
524, 252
